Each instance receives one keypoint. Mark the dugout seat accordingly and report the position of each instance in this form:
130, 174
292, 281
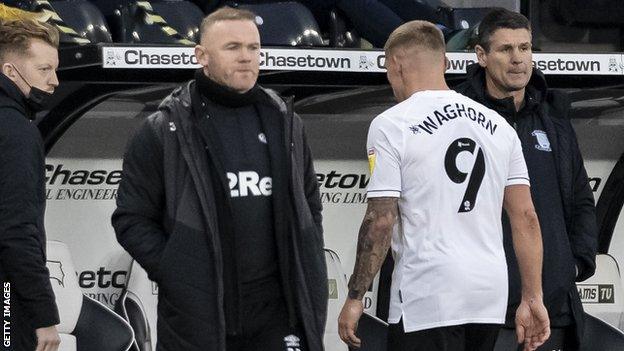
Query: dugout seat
46, 13
286, 24
371, 330
463, 17
602, 294
600, 336
85, 324
337, 284
138, 305
184, 16
341, 32
85, 18
152, 22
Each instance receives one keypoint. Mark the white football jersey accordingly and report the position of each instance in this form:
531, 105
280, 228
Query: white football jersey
448, 159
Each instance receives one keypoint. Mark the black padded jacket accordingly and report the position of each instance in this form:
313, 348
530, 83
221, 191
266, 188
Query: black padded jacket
166, 219
551, 107
27, 293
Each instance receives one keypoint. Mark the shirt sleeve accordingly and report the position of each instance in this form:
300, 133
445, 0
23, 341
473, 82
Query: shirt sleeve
384, 149
518, 173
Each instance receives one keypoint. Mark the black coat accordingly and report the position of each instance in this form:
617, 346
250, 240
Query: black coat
577, 198
166, 219
22, 236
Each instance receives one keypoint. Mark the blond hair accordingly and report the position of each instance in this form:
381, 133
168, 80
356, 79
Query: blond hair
225, 14
421, 34
16, 35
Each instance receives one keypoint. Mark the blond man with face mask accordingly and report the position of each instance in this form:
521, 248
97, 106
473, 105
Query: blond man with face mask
28, 60
443, 167
220, 204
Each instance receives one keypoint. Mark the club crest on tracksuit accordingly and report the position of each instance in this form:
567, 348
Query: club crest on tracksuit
543, 144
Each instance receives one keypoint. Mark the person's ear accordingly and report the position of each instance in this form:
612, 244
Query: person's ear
481, 55
399, 64
9, 71
202, 56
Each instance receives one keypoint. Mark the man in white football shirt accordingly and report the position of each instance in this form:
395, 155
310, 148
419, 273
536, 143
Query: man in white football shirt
443, 167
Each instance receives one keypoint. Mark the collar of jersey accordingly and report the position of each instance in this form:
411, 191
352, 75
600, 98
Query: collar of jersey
431, 92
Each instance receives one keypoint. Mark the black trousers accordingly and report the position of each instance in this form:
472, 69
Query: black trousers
466, 337
563, 339
266, 327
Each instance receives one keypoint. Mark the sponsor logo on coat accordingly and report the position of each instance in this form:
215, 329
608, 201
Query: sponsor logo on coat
249, 183
292, 343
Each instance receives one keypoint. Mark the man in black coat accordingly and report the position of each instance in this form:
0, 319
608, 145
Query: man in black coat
28, 58
505, 81
219, 203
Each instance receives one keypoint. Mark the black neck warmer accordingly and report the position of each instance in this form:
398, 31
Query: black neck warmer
223, 95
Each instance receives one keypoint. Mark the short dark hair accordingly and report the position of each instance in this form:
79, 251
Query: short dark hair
16, 35
496, 19
226, 14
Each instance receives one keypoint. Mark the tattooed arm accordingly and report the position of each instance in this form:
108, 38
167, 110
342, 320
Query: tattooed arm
373, 244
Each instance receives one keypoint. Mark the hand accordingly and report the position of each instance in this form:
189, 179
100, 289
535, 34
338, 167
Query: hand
47, 339
348, 320
532, 324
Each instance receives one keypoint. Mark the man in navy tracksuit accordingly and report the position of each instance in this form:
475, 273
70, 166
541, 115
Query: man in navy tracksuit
505, 81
